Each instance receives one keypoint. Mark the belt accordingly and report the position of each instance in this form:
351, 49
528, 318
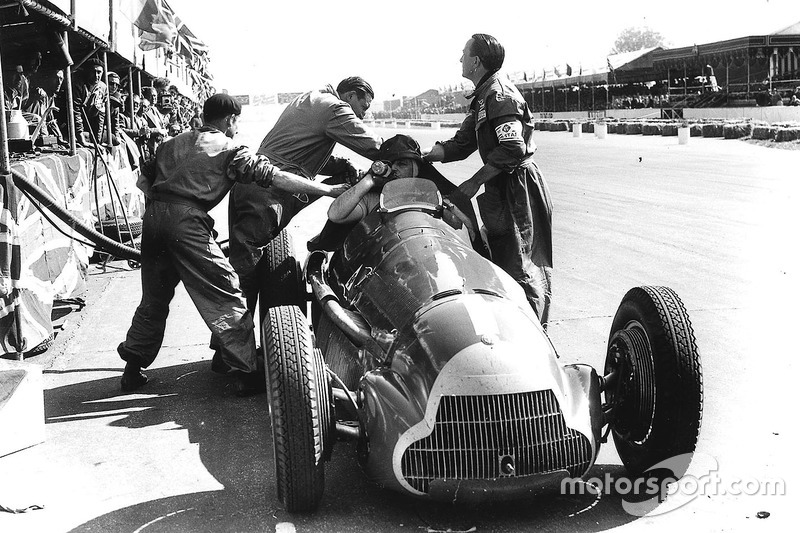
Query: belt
180, 200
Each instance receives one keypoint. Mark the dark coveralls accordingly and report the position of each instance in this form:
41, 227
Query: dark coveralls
301, 142
193, 172
516, 207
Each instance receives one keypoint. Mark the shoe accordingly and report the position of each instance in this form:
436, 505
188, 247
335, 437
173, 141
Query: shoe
132, 378
218, 365
250, 383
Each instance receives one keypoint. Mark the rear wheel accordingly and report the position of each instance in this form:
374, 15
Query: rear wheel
283, 282
300, 409
656, 397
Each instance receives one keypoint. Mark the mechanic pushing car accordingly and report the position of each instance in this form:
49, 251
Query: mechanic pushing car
190, 175
301, 141
516, 207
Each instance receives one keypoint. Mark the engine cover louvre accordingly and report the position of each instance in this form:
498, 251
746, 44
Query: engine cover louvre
496, 436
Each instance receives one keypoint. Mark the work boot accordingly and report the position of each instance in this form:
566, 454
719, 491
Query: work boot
218, 365
250, 383
132, 378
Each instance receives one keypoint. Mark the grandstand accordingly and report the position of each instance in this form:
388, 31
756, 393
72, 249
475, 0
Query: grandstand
746, 72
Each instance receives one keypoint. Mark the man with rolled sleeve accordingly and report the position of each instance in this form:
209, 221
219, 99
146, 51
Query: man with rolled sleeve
190, 175
301, 141
516, 207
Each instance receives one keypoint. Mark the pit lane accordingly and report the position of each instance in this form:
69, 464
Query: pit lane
715, 220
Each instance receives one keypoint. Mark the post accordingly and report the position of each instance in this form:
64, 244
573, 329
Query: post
5, 163
669, 82
130, 95
748, 74
69, 96
108, 101
685, 80
727, 75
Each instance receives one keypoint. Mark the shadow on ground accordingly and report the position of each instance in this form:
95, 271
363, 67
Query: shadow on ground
234, 442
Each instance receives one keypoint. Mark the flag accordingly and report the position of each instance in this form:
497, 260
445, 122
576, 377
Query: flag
569, 70
555, 70
610, 68
156, 23
525, 76
580, 70
544, 74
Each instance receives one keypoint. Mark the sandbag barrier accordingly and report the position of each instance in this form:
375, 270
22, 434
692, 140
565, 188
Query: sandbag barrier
709, 128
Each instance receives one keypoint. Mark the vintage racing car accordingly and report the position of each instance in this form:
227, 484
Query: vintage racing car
430, 357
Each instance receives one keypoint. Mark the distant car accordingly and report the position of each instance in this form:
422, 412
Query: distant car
430, 357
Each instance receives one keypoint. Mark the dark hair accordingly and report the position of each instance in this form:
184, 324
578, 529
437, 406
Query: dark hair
357, 84
489, 51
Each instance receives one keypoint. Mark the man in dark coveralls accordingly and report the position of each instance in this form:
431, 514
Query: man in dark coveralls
515, 207
301, 141
190, 175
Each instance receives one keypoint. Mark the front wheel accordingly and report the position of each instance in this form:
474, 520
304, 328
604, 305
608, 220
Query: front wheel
283, 282
300, 408
656, 393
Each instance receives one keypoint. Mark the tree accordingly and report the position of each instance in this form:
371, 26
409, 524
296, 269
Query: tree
632, 39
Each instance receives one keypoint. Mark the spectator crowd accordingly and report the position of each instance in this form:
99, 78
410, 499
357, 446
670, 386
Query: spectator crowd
140, 120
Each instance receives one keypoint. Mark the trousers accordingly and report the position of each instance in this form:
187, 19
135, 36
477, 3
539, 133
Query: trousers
517, 212
178, 245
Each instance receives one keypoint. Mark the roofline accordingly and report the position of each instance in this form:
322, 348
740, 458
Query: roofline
63, 20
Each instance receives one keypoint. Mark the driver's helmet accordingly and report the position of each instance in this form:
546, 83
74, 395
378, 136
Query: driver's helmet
400, 147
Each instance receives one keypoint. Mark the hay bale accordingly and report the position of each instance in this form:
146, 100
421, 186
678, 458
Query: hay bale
696, 130
633, 128
787, 134
736, 131
588, 127
764, 133
712, 130
669, 130
652, 129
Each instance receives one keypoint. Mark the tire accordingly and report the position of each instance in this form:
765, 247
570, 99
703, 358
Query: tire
657, 400
109, 228
299, 409
283, 282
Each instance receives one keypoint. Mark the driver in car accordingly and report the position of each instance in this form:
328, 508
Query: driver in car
403, 154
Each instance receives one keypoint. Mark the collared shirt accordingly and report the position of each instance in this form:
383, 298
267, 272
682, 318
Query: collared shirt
92, 100
308, 129
201, 166
499, 126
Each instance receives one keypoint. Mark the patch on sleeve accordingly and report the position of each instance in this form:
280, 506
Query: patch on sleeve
509, 131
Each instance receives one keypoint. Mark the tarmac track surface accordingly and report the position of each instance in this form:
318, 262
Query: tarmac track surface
716, 220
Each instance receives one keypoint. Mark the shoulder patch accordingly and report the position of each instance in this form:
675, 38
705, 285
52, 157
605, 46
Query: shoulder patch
509, 131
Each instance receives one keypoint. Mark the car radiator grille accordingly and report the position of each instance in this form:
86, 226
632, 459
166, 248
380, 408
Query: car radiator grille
475, 436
